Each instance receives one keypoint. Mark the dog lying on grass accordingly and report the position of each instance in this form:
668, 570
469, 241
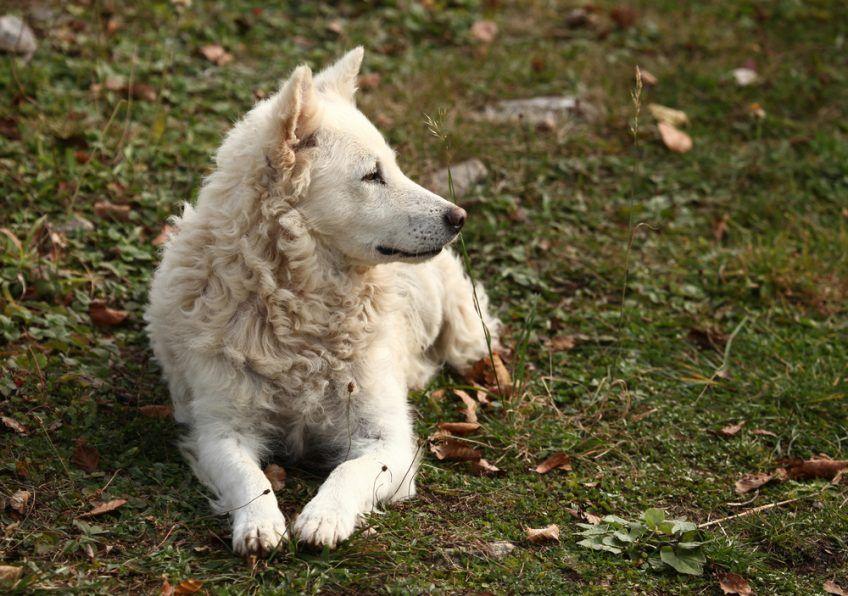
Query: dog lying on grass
301, 298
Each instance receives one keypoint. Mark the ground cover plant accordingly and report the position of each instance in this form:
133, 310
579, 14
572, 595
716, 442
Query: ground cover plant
674, 290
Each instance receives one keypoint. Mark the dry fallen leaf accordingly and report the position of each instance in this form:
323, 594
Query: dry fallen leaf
85, 456
668, 115
815, 468
163, 236
14, 425
483, 467
9, 573
111, 210
675, 139
763, 432
19, 500
536, 535
648, 78
162, 412
720, 227
276, 475
492, 374
557, 461
750, 482
167, 588
216, 54
732, 583
103, 316
470, 410
562, 343
731, 429
459, 428
336, 26
624, 16
454, 450
188, 586
831, 587
484, 31
105, 507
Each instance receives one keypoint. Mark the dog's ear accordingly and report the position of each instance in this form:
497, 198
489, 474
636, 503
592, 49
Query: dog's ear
341, 77
297, 107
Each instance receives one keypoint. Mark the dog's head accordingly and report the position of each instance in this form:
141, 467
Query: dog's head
358, 200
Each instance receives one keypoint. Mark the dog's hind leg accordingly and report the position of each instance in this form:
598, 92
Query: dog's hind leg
228, 462
462, 340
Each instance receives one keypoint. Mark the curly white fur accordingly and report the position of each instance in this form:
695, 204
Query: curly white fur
299, 301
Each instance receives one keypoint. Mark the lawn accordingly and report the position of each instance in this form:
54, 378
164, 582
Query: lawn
650, 298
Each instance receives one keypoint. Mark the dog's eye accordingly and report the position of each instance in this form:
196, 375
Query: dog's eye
375, 176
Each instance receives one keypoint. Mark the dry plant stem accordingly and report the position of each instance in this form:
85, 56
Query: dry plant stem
748, 512
636, 96
725, 358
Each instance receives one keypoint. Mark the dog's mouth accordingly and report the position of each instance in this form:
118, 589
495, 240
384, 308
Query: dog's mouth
396, 252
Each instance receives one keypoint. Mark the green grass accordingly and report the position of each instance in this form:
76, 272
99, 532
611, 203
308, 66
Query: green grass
547, 233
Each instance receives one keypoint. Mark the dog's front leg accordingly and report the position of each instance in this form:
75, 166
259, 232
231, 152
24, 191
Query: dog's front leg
381, 468
228, 461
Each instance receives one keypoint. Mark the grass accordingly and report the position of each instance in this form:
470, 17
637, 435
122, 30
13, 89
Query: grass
548, 232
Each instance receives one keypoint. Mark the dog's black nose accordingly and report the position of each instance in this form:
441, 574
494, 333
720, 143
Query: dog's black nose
455, 218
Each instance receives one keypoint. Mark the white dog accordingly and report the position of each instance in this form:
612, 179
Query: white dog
300, 299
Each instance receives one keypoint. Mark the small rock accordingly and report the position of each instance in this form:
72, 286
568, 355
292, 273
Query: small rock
538, 110
16, 36
744, 76
498, 549
464, 176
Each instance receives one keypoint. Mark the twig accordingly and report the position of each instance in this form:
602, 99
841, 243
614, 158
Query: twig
748, 512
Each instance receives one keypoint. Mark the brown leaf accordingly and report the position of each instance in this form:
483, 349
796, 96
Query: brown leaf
142, 91
110, 210
537, 535
9, 573
720, 227
648, 78
19, 500
731, 429
162, 412
216, 54
484, 31
624, 16
454, 450
167, 588
763, 432
103, 316
815, 468
556, 461
591, 518
276, 475
163, 236
85, 456
483, 467
676, 140
750, 482
369, 81
336, 26
668, 115
732, 583
14, 425
470, 410
105, 507
492, 374
831, 587
562, 343
188, 586
113, 25
708, 338
459, 428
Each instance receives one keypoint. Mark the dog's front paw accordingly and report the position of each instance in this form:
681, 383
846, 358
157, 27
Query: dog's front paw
325, 522
257, 533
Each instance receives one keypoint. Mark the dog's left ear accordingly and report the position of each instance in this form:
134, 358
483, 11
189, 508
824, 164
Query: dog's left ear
341, 77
